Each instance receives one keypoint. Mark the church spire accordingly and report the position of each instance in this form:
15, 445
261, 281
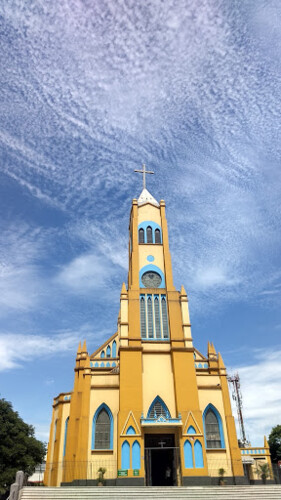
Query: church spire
145, 196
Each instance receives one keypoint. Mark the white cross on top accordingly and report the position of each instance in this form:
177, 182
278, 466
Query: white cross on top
143, 172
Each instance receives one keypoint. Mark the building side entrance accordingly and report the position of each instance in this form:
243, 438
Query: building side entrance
161, 460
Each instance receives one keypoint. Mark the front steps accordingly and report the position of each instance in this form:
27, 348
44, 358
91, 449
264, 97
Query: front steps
262, 492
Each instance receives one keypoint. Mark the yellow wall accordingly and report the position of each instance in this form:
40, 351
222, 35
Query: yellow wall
158, 381
149, 212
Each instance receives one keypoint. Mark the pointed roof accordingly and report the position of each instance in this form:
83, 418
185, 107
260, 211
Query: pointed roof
146, 197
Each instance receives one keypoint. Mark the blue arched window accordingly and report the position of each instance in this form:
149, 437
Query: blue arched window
114, 349
102, 354
131, 430
65, 435
188, 458
191, 430
198, 455
125, 455
213, 429
108, 351
102, 437
158, 408
136, 462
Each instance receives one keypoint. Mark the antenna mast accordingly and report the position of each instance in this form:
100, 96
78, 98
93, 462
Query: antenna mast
237, 396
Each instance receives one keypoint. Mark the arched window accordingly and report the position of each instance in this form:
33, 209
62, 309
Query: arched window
198, 455
103, 429
131, 430
114, 349
191, 430
149, 234
188, 459
149, 317
125, 455
158, 408
157, 236
102, 354
65, 435
157, 318
213, 428
108, 351
141, 235
136, 462
142, 317
164, 318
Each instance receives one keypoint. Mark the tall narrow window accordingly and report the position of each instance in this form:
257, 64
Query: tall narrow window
157, 236
149, 318
136, 456
125, 455
157, 318
114, 349
142, 317
65, 435
149, 235
212, 430
164, 318
198, 455
102, 431
108, 351
141, 235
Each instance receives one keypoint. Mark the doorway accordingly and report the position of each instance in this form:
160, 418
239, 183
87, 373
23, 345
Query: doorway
161, 460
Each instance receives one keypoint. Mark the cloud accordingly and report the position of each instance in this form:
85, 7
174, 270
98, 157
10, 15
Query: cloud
260, 385
17, 349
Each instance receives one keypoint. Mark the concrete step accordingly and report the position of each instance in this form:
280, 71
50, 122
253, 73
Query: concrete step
267, 492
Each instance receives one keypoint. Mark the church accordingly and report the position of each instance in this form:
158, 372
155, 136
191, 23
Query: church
146, 406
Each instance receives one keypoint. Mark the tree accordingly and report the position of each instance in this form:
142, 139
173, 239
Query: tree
274, 442
19, 449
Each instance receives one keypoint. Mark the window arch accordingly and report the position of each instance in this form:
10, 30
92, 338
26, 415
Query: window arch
125, 455
213, 428
157, 236
108, 351
131, 430
136, 462
198, 455
102, 354
158, 408
149, 238
141, 235
188, 458
65, 435
191, 430
102, 438
114, 349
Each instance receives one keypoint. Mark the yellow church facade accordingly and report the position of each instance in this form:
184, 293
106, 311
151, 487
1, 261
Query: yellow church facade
146, 406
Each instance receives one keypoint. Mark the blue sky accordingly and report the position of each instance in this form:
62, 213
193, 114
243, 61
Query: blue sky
90, 91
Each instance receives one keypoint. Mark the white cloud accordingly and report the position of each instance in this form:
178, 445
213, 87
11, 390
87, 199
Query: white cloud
260, 385
17, 349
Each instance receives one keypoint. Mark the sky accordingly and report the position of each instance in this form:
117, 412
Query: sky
90, 91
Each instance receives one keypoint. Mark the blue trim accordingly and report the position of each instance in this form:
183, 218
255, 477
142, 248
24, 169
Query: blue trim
188, 458
150, 258
107, 364
191, 430
152, 267
198, 455
107, 409
114, 349
113, 364
159, 400
213, 408
136, 461
143, 225
131, 430
96, 364
125, 456
65, 435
